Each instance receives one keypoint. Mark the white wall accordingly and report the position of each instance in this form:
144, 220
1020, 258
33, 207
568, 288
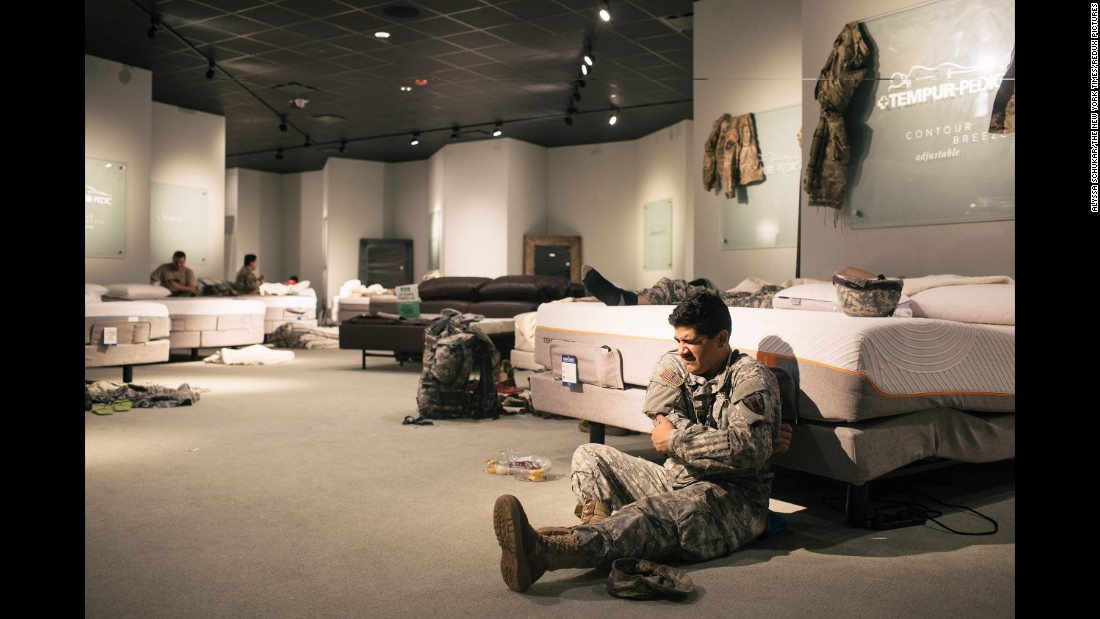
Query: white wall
475, 209
303, 195
663, 174
408, 203
190, 152
747, 59
526, 197
593, 193
255, 200
118, 125
121, 122
598, 192
981, 248
355, 201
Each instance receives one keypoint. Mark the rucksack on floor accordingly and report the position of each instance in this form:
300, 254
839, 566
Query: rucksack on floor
459, 373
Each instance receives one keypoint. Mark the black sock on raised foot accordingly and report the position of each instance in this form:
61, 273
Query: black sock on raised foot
605, 291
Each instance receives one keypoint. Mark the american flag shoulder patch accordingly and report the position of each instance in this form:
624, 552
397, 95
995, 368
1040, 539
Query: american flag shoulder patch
670, 377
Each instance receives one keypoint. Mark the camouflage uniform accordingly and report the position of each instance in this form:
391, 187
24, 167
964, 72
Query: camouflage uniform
247, 282
673, 291
711, 496
825, 180
1003, 119
167, 273
731, 152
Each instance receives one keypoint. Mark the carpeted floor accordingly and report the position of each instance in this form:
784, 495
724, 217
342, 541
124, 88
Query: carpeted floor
294, 490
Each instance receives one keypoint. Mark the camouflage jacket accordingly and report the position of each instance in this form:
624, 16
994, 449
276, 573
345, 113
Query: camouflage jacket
725, 427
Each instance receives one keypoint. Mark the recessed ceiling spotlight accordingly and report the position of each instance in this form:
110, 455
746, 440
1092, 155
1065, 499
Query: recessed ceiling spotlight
381, 35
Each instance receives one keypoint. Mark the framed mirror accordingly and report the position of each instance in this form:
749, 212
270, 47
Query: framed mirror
552, 255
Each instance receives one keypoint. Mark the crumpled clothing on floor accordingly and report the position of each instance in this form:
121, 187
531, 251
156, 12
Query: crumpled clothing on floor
142, 395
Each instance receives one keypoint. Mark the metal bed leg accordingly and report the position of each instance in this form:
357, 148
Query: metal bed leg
364, 359
855, 505
595, 432
127, 373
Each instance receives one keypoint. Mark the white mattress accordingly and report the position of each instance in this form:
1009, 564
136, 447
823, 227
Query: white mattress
350, 307
142, 333
525, 331
927, 362
215, 322
120, 309
285, 308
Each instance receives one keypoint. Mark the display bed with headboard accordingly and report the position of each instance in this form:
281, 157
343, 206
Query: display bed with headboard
875, 394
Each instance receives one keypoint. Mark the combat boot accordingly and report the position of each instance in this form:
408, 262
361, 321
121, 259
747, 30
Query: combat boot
525, 554
590, 512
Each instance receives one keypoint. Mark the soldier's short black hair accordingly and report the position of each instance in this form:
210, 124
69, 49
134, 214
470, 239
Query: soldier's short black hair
703, 311
249, 259
178, 254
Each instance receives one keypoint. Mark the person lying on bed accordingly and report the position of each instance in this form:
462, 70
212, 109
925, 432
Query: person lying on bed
716, 415
671, 291
176, 276
247, 281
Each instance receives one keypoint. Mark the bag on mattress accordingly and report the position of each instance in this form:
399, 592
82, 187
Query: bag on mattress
867, 297
461, 364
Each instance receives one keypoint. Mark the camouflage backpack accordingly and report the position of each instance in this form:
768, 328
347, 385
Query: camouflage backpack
460, 368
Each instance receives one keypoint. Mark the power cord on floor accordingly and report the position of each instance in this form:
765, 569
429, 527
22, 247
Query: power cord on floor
889, 512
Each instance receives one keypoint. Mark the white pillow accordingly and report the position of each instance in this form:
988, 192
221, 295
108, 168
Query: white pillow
816, 298
993, 304
95, 289
91, 297
137, 291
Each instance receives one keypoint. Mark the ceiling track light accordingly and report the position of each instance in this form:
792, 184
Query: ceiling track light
308, 142
279, 154
569, 121
589, 57
416, 139
282, 124
584, 69
614, 118
153, 28
579, 83
498, 129
210, 71
576, 95
455, 132
605, 11
343, 145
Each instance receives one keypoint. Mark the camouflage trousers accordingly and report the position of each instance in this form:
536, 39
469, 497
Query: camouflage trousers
673, 291
653, 520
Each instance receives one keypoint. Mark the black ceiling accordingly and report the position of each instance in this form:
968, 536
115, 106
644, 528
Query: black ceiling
478, 61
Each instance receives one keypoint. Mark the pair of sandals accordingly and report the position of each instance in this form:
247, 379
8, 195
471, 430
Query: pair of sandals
117, 406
